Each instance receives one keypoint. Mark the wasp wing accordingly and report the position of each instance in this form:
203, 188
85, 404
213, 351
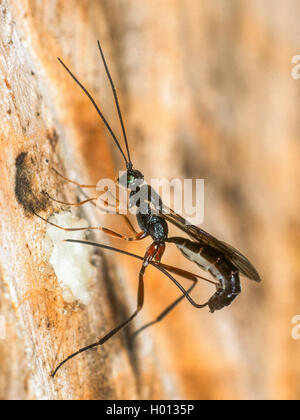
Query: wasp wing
241, 262
237, 259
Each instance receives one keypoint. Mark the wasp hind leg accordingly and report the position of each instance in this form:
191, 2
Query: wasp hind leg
153, 251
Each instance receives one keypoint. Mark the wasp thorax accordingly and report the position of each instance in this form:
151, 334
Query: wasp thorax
131, 179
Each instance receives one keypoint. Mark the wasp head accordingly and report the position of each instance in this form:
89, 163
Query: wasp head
131, 179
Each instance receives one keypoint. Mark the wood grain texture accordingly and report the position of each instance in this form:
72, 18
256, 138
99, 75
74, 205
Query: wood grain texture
206, 92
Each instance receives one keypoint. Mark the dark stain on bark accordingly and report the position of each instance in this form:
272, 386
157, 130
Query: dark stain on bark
32, 201
52, 137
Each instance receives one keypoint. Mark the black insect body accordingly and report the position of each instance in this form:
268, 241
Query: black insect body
218, 265
149, 221
222, 261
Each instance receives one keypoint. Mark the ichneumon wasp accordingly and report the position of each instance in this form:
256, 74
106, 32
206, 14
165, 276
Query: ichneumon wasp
221, 260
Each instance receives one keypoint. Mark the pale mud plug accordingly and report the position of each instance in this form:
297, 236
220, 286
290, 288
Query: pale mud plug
71, 263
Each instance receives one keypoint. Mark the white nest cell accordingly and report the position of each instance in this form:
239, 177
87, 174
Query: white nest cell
71, 261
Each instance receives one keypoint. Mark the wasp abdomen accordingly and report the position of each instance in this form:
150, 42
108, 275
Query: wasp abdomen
229, 290
211, 260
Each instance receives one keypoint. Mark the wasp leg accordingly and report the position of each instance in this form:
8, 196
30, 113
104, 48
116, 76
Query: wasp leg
91, 200
71, 204
158, 266
71, 181
137, 237
126, 218
183, 273
149, 255
163, 314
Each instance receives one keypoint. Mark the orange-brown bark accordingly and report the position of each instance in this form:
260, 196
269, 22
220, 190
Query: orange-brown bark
206, 92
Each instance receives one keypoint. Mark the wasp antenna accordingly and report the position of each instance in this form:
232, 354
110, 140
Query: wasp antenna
96, 107
116, 100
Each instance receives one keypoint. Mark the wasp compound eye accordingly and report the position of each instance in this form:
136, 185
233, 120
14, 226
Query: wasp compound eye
131, 179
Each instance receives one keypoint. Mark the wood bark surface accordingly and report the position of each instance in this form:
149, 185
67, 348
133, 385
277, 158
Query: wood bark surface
206, 92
